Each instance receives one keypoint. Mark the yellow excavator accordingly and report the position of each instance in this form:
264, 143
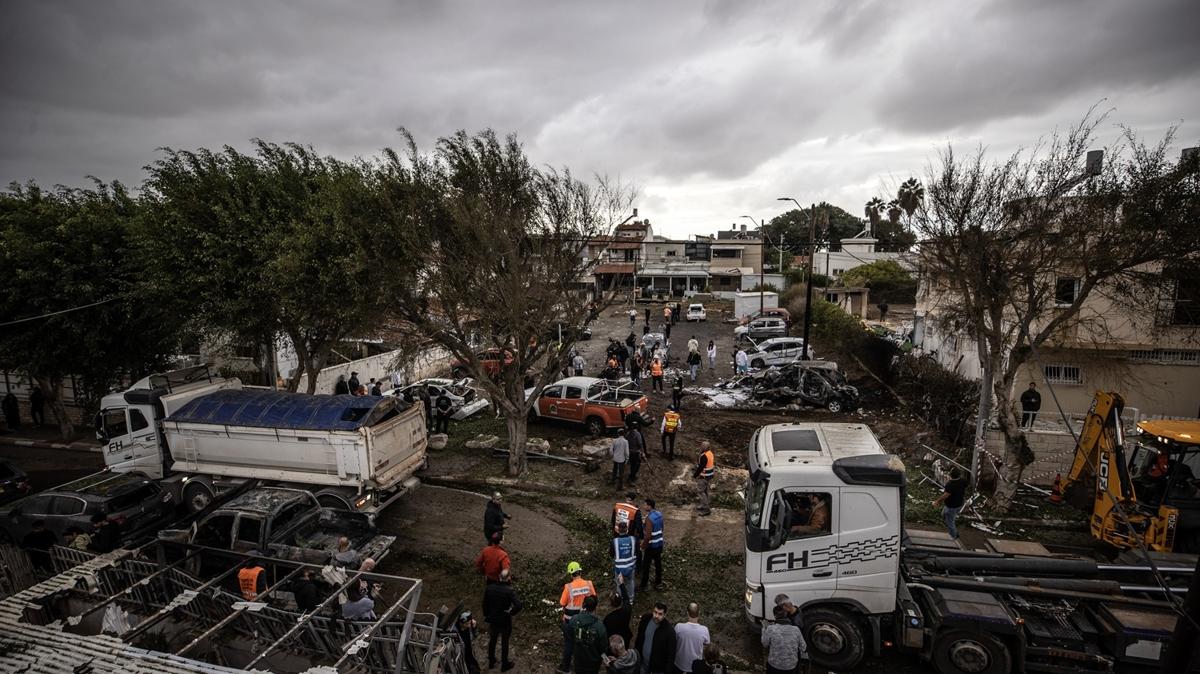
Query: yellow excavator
1150, 493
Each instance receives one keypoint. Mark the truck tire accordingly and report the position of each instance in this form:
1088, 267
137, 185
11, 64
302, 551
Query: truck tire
835, 639
596, 427
969, 652
196, 496
333, 501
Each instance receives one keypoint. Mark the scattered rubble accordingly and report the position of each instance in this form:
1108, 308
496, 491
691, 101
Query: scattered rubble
815, 383
438, 441
482, 442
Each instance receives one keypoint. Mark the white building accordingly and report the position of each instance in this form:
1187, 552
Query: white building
855, 252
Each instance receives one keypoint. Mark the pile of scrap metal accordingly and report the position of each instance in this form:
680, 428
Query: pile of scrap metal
815, 383
465, 398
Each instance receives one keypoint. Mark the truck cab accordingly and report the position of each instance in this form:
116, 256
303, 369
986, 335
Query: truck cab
823, 526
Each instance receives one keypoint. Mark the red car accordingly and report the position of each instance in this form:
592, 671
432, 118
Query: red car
490, 359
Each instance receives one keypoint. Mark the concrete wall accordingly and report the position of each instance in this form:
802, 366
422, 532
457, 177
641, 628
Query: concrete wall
1054, 452
430, 363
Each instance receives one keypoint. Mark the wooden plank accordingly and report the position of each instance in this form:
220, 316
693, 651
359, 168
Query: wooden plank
1024, 548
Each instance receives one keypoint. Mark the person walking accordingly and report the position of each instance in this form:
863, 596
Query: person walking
500, 604
883, 309
666, 314
620, 613
578, 364
693, 345
653, 543
655, 641
656, 375
589, 640
427, 400
574, 593
952, 499
637, 451
647, 317
669, 426
741, 361
690, 639
784, 643
620, 454
677, 389
636, 365
12, 412
693, 361
706, 469
376, 387
37, 404
465, 626
712, 355
632, 318
624, 551
1031, 402
667, 330
443, 407
494, 517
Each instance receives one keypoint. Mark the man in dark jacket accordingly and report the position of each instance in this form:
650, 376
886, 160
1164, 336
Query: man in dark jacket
588, 638
494, 517
341, 388
12, 412
107, 536
306, 592
443, 406
656, 641
1031, 402
620, 614
37, 544
354, 383
500, 604
37, 402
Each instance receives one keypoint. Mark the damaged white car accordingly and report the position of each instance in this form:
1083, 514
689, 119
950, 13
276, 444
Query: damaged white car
465, 399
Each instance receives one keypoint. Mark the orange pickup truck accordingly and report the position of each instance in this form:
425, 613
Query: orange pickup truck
596, 403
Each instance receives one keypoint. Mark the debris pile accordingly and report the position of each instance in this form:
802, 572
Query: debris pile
815, 383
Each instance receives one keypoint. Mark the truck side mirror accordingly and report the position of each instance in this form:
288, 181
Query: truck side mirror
101, 434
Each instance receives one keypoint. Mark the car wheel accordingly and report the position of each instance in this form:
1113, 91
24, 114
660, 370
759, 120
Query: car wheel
596, 427
835, 639
196, 496
757, 364
834, 405
969, 652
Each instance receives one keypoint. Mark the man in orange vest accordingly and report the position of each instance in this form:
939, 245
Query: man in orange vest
671, 422
252, 580
493, 559
625, 511
656, 375
573, 594
706, 468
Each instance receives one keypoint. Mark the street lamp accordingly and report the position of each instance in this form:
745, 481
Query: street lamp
812, 254
761, 278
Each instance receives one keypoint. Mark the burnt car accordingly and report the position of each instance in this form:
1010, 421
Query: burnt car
808, 382
138, 505
14, 482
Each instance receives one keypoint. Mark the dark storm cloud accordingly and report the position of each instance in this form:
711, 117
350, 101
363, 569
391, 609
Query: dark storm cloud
705, 105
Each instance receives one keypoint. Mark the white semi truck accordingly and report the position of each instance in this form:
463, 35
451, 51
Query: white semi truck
825, 526
199, 435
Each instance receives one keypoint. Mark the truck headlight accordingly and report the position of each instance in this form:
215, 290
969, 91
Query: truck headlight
363, 501
751, 589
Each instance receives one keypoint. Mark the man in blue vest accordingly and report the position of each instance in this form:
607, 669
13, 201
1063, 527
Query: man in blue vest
624, 549
652, 543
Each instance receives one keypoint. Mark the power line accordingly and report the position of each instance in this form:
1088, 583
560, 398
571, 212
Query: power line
56, 313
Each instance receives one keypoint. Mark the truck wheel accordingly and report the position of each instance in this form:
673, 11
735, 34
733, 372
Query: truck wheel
757, 364
196, 496
835, 639
834, 405
333, 501
966, 652
596, 427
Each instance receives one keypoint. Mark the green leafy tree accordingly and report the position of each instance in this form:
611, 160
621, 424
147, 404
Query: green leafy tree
792, 227
886, 279
74, 248
494, 260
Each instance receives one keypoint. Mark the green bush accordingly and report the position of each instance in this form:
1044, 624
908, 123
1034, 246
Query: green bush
886, 279
765, 287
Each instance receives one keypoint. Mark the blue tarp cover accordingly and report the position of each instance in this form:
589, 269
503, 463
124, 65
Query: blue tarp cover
277, 409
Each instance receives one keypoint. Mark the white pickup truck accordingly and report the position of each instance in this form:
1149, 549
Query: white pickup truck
198, 434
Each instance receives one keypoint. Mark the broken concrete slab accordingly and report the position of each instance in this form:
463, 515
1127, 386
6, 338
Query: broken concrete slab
537, 445
438, 441
597, 448
482, 442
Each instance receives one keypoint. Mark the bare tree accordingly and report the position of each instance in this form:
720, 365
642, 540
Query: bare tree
495, 259
997, 237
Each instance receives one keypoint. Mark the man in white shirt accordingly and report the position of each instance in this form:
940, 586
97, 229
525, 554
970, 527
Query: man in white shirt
690, 639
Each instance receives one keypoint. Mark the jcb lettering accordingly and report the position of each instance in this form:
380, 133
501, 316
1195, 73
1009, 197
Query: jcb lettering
1102, 476
787, 561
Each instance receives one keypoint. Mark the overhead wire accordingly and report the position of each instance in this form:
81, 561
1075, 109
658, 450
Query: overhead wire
57, 313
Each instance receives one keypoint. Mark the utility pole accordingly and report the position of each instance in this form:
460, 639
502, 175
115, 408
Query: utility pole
780, 267
812, 256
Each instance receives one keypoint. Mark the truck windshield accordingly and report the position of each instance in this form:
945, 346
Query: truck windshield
756, 497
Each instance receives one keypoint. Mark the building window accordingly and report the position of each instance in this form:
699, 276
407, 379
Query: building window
728, 253
1178, 357
1066, 289
670, 253
1063, 374
1186, 304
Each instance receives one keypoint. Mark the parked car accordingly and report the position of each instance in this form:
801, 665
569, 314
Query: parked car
465, 399
818, 383
14, 483
760, 329
490, 359
776, 351
696, 312
769, 312
139, 505
597, 404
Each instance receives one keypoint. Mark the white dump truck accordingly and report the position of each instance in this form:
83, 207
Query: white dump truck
199, 435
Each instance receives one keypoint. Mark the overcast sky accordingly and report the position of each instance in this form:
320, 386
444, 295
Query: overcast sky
712, 109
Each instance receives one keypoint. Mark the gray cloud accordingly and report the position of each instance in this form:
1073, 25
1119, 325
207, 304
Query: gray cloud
710, 108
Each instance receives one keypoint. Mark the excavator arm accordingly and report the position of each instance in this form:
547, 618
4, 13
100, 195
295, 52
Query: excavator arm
1099, 482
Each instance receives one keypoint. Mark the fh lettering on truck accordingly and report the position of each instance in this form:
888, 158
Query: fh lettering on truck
787, 561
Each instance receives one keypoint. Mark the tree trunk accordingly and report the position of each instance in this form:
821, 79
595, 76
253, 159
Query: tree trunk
52, 392
517, 434
1014, 438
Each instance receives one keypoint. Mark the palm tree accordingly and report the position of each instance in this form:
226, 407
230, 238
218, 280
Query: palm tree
874, 210
910, 195
894, 211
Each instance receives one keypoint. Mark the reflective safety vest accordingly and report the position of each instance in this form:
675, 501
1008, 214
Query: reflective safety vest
248, 582
710, 465
655, 523
624, 556
671, 421
573, 594
625, 512
656, 368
